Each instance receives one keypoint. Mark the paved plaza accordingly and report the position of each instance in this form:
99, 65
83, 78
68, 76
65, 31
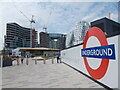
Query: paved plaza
40, 75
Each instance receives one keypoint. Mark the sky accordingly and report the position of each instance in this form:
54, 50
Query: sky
58, 17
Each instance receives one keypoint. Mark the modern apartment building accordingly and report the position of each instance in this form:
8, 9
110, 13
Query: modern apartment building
52, 40
77, 34
18, 36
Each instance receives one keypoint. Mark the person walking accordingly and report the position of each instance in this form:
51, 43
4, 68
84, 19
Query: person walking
58, 59
22, 59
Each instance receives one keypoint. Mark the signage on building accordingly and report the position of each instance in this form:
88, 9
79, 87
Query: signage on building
105, 52
98, 57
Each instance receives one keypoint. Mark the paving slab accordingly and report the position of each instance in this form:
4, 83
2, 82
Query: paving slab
40, 75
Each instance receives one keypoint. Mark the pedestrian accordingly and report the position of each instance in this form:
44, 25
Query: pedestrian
22, 59
58, 59
17, 59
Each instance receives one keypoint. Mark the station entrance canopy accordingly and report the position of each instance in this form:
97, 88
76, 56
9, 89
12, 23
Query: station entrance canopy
40, 51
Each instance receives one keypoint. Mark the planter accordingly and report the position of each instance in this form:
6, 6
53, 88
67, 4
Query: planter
7, 63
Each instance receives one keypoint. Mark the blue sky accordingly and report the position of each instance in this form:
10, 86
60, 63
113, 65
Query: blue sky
59, 17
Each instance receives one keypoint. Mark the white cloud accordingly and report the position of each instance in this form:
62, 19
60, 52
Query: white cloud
100, 11
114, 16
59, 0
63, 17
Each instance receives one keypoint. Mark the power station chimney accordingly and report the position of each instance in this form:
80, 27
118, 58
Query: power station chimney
108, 15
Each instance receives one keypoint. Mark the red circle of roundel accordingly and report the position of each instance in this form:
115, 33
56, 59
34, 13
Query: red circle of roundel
101, 70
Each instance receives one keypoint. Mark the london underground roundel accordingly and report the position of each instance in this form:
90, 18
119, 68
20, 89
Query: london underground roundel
101, 70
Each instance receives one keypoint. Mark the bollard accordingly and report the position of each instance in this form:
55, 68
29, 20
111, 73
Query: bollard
27, 61
52, 60
35, 61
17, 60
60, 60
1, 61
44, 61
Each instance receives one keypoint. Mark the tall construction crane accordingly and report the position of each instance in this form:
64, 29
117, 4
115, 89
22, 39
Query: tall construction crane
31, 22
46, 26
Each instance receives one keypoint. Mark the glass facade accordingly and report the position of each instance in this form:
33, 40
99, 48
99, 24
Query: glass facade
77, 34
17, 36
57, 41
52, 40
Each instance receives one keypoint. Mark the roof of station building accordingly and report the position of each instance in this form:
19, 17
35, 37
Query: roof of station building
38, 49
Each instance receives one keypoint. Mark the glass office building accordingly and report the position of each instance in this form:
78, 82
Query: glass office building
57, 41
18, 36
